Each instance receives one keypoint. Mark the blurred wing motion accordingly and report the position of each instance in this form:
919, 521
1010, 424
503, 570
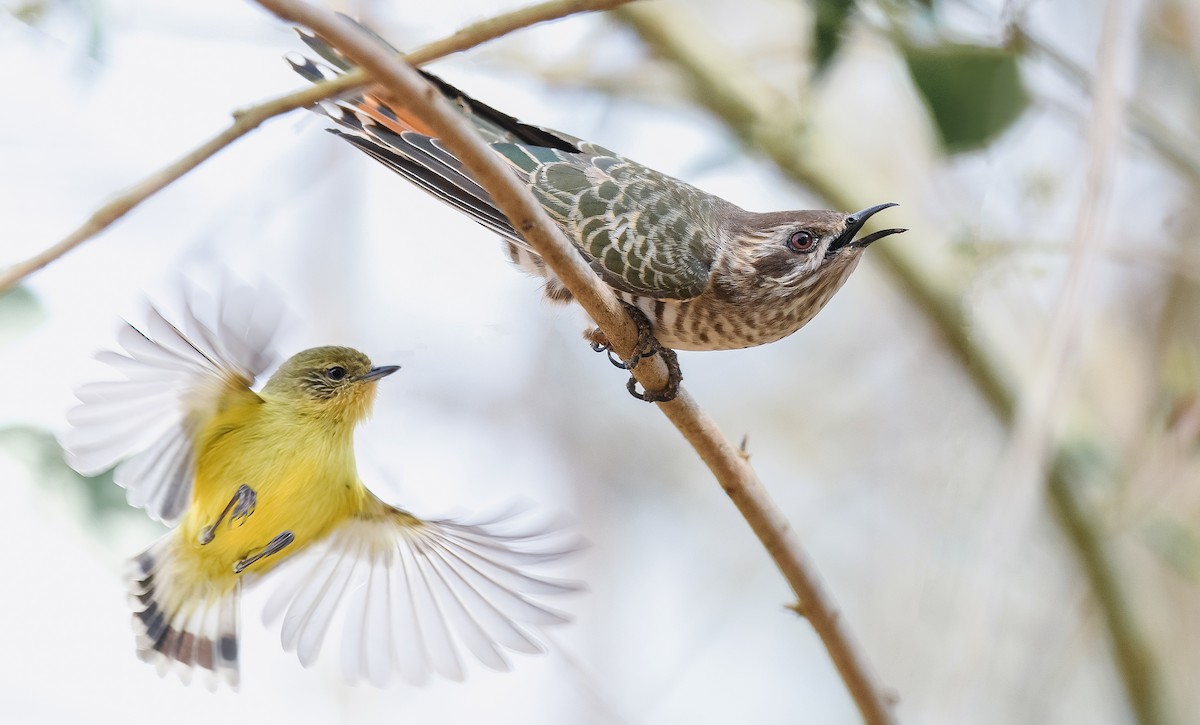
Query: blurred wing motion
174, 379
406, 589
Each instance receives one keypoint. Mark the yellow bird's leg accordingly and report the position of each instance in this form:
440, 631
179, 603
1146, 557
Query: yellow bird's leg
273, 547
242, 505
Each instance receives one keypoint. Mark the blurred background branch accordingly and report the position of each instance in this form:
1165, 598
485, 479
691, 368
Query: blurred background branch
722, 82
1165, 143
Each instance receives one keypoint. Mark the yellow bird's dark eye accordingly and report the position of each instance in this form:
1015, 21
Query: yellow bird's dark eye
337, 372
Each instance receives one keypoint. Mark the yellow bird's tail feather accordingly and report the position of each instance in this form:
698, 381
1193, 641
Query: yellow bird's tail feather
180, 624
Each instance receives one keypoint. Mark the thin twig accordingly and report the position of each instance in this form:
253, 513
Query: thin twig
518, 204
1042, 404
1164, 142
1036, 422
251, 117
696, 53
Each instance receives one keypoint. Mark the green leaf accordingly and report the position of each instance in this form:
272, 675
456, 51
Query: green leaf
973, 92
830, 22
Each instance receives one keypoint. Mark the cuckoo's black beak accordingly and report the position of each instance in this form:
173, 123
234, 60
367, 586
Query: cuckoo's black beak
378, 372
855, 222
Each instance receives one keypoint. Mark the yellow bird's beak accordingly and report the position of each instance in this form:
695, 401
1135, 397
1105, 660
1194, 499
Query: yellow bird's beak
376, 373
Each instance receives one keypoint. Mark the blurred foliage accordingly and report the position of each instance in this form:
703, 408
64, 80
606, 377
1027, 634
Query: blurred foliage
828, 26
30, 11
87, 15
20, 312
1181, 345
1095, 466
43, 457
1177, 545
1183, 412
973, 92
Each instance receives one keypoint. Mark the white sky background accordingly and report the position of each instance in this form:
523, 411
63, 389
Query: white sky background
877, 452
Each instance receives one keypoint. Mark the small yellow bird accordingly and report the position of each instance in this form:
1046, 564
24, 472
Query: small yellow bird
255, 479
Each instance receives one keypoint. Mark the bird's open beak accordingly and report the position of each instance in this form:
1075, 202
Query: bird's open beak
378, 372
855, 222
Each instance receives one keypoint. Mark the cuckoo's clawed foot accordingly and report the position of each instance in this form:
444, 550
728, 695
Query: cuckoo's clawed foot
646, 346
674, 378
274, 546
599, 343
239, 508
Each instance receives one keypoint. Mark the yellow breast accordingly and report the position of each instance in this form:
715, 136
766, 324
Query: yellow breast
302, 473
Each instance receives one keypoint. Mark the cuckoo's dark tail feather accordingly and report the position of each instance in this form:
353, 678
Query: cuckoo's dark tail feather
387, 134
496, 126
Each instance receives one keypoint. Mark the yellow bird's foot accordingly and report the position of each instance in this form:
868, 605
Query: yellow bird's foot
238, 509
279, 543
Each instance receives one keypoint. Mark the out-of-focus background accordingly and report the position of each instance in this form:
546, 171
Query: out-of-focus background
987, 441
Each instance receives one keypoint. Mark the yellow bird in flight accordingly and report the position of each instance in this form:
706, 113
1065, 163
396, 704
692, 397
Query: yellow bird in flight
253, 480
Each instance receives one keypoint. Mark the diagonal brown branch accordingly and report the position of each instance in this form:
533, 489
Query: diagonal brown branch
730, 468
735, 93
250, 118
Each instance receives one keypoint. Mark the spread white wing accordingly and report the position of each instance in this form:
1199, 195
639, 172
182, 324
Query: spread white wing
173, 376
408, 592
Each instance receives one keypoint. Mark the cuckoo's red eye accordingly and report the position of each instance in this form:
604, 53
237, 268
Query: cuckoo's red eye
802, 241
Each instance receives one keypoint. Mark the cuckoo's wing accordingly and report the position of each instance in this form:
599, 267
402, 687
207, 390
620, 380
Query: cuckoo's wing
409, 594
642, 231
173, 376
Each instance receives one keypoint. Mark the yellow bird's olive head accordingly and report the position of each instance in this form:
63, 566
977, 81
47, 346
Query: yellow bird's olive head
330, 381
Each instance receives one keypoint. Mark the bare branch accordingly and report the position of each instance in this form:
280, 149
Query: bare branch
1037, 419
725, 461
250, 118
